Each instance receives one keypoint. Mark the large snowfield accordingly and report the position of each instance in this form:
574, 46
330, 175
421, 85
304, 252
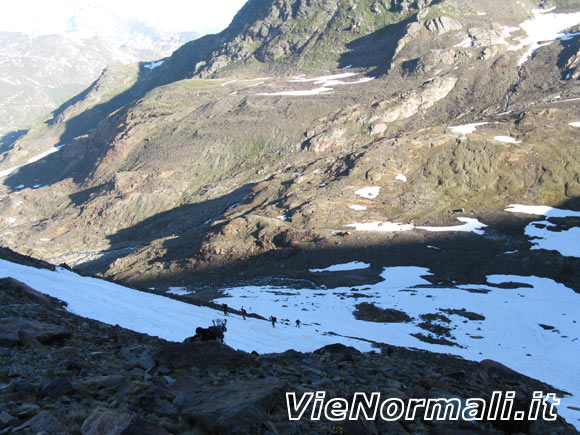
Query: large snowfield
529, 325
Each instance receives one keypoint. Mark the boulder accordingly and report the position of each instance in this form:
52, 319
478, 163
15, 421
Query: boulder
378, 128
17, 369
7, 420
17, 288
338, 352
108, 381
442, 25
185, 385
236, 408
43, 422
13, 328
103, 421
203, 355
494, 368
57, 387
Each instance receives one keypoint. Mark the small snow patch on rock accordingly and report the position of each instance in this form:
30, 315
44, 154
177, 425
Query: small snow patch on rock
368, 192
506, 139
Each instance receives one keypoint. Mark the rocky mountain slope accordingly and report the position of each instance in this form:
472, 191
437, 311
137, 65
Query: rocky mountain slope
40, 72
152, 160
438, 139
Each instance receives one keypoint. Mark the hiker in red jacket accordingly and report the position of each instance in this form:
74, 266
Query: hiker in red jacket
244, 313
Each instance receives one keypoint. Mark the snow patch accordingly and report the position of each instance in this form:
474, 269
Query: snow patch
574, 124
547, 235
381, 226
506, 139
325, 83
543, 29
470, 225
543, 210
153, 65
467, 42
353, 265
317, 91
368, 192
179, 291
401, 177
467, 128
357, 207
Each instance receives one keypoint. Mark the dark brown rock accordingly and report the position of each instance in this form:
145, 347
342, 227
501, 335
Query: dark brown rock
359, 427
339, 352
45, 333
204, 354
7, 420
43, 422
495, 368
110, 381
17, 369
235, 408
102, 421
185, 384
17, 288
58, 387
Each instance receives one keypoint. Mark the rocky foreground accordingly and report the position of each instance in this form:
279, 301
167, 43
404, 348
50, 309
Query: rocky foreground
63, 374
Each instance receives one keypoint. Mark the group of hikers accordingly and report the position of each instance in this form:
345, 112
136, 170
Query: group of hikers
244, 313
216, 331
218, 328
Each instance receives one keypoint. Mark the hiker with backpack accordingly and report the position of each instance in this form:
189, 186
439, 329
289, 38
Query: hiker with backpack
273, 320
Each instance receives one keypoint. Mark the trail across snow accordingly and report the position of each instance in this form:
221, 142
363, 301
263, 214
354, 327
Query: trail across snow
164, 317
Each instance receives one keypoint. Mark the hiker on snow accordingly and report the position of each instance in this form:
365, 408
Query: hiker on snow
298, 323
273, 320
225, 308
244, 313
